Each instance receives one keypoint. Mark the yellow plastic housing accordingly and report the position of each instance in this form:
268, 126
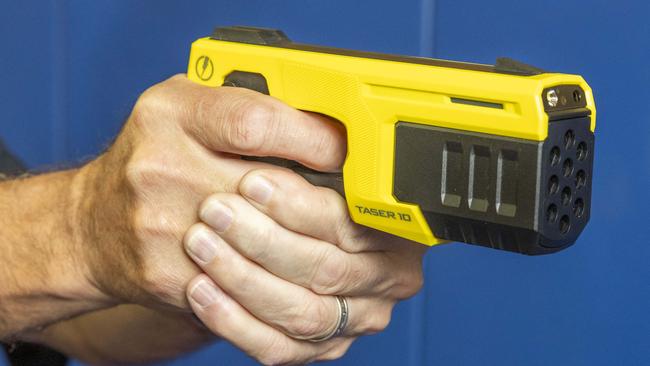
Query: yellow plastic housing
369, 96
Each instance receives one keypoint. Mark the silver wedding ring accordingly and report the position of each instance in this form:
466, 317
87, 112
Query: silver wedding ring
344, 314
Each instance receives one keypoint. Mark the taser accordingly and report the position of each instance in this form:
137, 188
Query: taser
495, 155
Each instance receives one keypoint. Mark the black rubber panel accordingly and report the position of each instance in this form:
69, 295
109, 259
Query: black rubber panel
494, 191
508, 65
248, 80
329, 180
251, 35
277, 38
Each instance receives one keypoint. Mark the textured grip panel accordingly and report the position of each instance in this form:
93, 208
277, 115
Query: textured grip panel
338, 95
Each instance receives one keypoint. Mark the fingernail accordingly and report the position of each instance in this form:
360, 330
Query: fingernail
217, 215
204, 293
258, 189
202, 246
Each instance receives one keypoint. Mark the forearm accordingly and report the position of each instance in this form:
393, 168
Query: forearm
43, 277
126, 334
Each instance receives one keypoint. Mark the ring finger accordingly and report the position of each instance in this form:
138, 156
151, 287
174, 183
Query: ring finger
227, 318
296, 311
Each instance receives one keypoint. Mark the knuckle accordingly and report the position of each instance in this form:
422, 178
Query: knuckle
301, 203
140, 174
376, 321
331, 207
153, 102
312, 321
149, 224
275, 359
153, 170
336, 352
146, 102
250, 124
354, 238
148, 166
380, 322
246, 280
207, 105
343, 231
260, 251
326, 146
410, 283
331, 272
147, 178
417, 281
263, 236
143, 181
304, 204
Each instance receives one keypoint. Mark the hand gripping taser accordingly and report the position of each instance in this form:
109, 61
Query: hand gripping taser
499, 156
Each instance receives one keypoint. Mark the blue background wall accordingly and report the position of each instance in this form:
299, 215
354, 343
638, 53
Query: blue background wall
70, 71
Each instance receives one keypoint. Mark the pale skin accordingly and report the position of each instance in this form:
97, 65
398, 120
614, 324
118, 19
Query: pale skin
107, 262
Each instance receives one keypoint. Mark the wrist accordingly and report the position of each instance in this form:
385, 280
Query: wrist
83, 236
102, 235
44, 274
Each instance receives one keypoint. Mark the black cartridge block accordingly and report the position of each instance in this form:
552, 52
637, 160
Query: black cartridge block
525, 196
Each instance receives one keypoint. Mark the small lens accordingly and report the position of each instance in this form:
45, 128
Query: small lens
553, 185
551, 214
554, 157
582, 151
579, 207
581, 179
567, 168
569, 139
565, 224
577, 95
552, 98
566, 196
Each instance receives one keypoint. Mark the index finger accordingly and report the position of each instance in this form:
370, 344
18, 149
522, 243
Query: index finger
245, 122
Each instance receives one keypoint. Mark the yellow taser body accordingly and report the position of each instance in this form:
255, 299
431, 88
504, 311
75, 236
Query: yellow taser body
371, 93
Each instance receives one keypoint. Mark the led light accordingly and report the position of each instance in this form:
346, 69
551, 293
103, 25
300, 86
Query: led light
552, 98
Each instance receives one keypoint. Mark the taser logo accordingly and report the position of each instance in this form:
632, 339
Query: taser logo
383, 213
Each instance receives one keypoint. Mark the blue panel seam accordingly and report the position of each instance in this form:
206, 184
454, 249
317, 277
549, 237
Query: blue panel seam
59, 76
427, 28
